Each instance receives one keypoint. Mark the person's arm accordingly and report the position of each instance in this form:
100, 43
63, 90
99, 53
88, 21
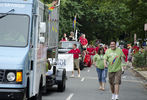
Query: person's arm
105, 60
70, 51
79, 51
105, 63
94, 60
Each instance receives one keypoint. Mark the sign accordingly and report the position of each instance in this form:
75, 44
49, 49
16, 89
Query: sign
64, 61
12, 5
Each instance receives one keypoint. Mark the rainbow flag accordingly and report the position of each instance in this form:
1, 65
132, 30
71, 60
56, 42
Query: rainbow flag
114, 60
74, 22
51, 9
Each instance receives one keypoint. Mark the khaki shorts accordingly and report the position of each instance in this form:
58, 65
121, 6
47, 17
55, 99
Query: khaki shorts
115, 77
76, 63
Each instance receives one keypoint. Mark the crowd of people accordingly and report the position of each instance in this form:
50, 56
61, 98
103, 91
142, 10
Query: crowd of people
111, 60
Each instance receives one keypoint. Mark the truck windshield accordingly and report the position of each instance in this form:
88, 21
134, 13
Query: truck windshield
14, 30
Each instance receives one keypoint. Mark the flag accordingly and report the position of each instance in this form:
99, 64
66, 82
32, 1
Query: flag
50, 8
74, 22
114, 60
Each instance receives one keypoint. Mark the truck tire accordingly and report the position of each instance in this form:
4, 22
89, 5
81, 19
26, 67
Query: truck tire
39, 95
62, 84
26, 93
25, 96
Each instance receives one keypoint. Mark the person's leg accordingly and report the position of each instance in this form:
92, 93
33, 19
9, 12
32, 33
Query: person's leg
73, 68
99, 72
111, 81
116, 89
77, 66
117, 83
112, 88
103, 79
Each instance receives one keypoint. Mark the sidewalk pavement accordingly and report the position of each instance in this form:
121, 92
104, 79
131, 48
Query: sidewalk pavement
143, 74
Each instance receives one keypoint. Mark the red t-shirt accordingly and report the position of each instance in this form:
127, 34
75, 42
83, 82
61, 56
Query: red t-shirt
83, 41
91, 51
97, 49
125, 51
105, 49
80, 38
76, 53
63, 39
136, 49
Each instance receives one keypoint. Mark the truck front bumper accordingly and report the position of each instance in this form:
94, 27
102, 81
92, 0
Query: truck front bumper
11, 94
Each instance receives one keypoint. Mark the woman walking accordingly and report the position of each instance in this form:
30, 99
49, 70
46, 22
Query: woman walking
98, 61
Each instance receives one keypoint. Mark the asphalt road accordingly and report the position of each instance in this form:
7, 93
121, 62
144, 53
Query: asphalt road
86, 88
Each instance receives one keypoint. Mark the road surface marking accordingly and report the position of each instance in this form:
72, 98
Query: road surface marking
70, 96
82, 79
88, 71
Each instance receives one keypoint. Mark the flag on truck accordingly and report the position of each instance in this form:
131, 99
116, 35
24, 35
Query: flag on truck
74, 22
50, 8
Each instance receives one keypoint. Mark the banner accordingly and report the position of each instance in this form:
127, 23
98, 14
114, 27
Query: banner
64, 61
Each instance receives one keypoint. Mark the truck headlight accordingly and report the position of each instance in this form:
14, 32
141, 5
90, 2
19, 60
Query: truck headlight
11, 76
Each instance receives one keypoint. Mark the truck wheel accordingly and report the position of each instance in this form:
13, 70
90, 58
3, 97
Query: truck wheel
62, 84
25, 96
39, 95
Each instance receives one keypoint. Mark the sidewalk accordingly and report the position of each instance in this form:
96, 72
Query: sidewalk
143, 74
140, 74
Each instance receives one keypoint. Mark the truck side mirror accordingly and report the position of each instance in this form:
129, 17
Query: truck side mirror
42, 39
42, 27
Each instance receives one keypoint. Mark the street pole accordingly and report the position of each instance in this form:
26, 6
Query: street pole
145, 29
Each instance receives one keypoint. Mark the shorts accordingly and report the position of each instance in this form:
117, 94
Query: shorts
76, 63
115, 77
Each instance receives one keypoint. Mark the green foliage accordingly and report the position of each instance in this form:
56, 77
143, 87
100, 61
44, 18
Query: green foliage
105, 19
140, 60
68, 10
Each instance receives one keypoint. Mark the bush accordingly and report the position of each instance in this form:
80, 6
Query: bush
140, 59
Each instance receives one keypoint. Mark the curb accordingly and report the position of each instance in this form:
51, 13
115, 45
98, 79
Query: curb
138, 74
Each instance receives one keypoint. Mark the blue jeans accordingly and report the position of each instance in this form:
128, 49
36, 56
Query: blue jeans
102, 74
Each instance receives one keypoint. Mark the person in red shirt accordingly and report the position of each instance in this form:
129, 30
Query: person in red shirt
64, 37
80, 38
97, 48
125, 51
83, 41
91, 50
105, 48
135, 49
75, 51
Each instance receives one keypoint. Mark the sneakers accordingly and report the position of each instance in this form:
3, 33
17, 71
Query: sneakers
72, 76
79, 76
114, 97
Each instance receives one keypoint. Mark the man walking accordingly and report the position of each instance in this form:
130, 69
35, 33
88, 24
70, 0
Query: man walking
114, 57
75, 51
